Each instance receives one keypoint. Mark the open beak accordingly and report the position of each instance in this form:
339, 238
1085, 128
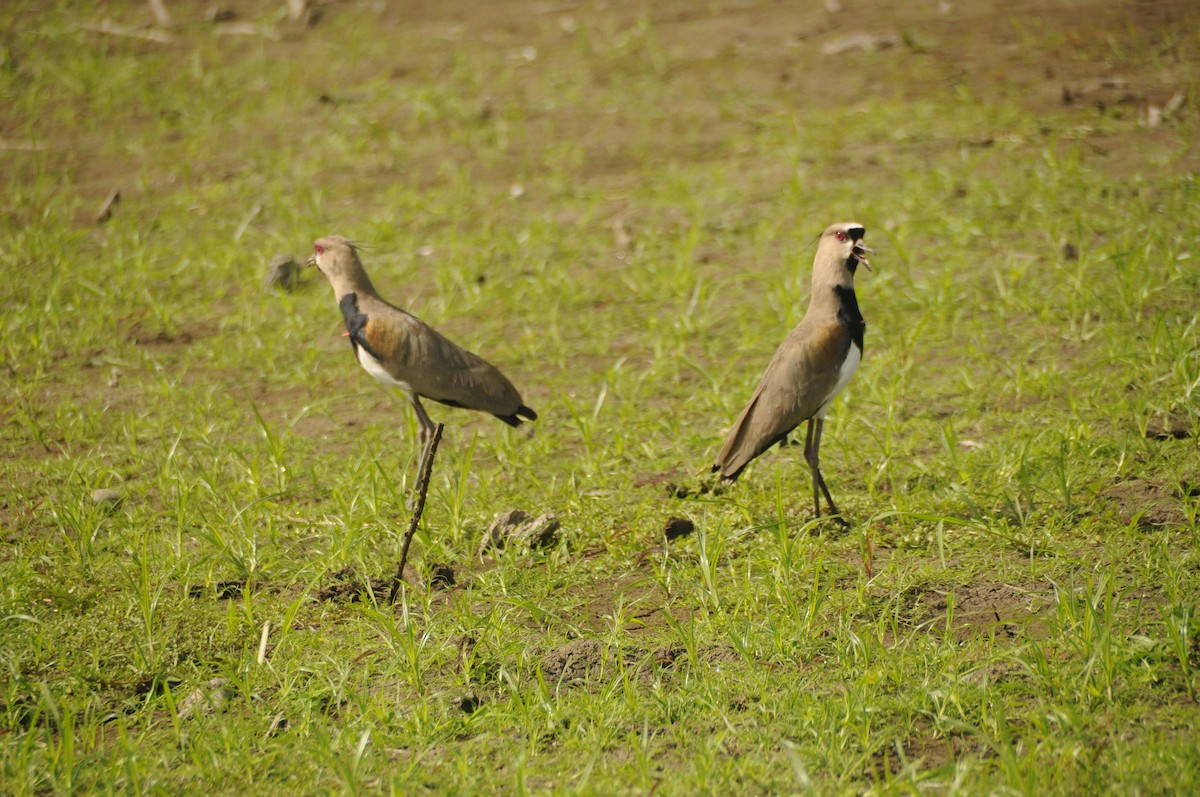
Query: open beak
860, 252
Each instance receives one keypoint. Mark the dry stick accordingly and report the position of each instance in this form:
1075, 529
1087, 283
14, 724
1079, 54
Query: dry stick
113, 29
422, 489
161, 15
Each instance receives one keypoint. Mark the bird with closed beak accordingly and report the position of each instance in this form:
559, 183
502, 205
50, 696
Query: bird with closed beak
402, 351
810, 368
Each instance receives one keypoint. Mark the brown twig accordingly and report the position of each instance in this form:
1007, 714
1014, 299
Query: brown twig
161, 15
106, 210
113, 29
422, 489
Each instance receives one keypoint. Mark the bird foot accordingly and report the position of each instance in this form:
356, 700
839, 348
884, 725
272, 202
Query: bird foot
842, 522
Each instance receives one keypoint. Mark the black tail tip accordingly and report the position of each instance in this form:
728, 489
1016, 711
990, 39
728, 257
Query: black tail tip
727, 478
515, 418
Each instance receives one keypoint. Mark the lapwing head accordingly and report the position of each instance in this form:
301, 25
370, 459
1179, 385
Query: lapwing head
843, 242
333, 254
337, 258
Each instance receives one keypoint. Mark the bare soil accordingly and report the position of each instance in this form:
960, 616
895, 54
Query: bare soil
985, 608
1147, 503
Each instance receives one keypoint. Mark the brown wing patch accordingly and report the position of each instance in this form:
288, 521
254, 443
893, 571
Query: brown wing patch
381, 337
827, 348
436, 367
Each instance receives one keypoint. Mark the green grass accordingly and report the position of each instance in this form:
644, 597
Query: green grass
1014, 609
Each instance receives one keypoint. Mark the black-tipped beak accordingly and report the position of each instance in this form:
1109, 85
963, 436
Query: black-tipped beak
860, 252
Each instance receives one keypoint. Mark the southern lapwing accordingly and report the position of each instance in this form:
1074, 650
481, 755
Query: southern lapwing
402, 351
810, 367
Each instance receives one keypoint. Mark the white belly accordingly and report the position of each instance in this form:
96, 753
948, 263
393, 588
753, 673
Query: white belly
373, 367
849, 366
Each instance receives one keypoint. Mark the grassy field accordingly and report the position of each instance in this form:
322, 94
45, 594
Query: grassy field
617, 203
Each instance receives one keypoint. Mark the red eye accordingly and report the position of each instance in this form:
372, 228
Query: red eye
841, 236
320, 250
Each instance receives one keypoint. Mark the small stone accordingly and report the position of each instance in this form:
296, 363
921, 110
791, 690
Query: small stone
678, 527
105, 496
204, 699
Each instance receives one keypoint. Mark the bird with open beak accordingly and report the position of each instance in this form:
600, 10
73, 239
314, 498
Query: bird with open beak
810, 368
402, 351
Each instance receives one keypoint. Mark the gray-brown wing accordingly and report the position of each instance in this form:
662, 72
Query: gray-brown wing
434, 366
796, 383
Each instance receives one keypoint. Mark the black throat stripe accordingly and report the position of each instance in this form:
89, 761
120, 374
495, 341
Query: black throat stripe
356, 323
849, 315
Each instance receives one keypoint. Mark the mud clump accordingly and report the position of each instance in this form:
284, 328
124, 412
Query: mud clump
441, 576
572, 662
514, 530
283, 273
677, 527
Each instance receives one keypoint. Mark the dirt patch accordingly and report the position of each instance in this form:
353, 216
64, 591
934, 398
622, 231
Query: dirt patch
146, 331
667, 655
673, 655
983, 608
926, 750
718, 655
590, 660
1145, 503
1171, 427
574, 662
655, 479
347, 586
223, 590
